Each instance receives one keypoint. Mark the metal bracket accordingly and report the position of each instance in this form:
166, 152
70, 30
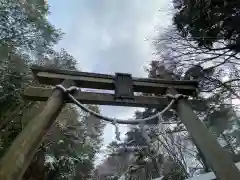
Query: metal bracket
123, 86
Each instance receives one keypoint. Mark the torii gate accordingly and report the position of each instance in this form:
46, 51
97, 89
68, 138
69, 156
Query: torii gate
17, 159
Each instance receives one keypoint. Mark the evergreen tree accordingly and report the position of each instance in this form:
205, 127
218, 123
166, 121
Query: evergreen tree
209, 22
28, 38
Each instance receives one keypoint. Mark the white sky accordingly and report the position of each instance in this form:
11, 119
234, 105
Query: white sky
108, 36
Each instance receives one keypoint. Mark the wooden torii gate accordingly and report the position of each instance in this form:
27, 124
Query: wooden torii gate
17, 159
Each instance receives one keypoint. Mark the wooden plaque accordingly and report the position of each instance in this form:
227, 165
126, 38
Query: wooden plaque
123, 86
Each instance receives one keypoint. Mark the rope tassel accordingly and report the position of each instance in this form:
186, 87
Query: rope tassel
117, 132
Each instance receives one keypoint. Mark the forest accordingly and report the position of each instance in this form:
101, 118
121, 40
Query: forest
203, 33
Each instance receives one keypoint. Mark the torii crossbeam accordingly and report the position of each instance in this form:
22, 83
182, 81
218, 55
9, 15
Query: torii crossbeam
18, 157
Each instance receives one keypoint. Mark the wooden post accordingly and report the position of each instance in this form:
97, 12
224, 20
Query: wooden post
17, 159
220, 161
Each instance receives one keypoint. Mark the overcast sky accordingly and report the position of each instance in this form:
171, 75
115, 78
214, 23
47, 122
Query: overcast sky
108, 36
